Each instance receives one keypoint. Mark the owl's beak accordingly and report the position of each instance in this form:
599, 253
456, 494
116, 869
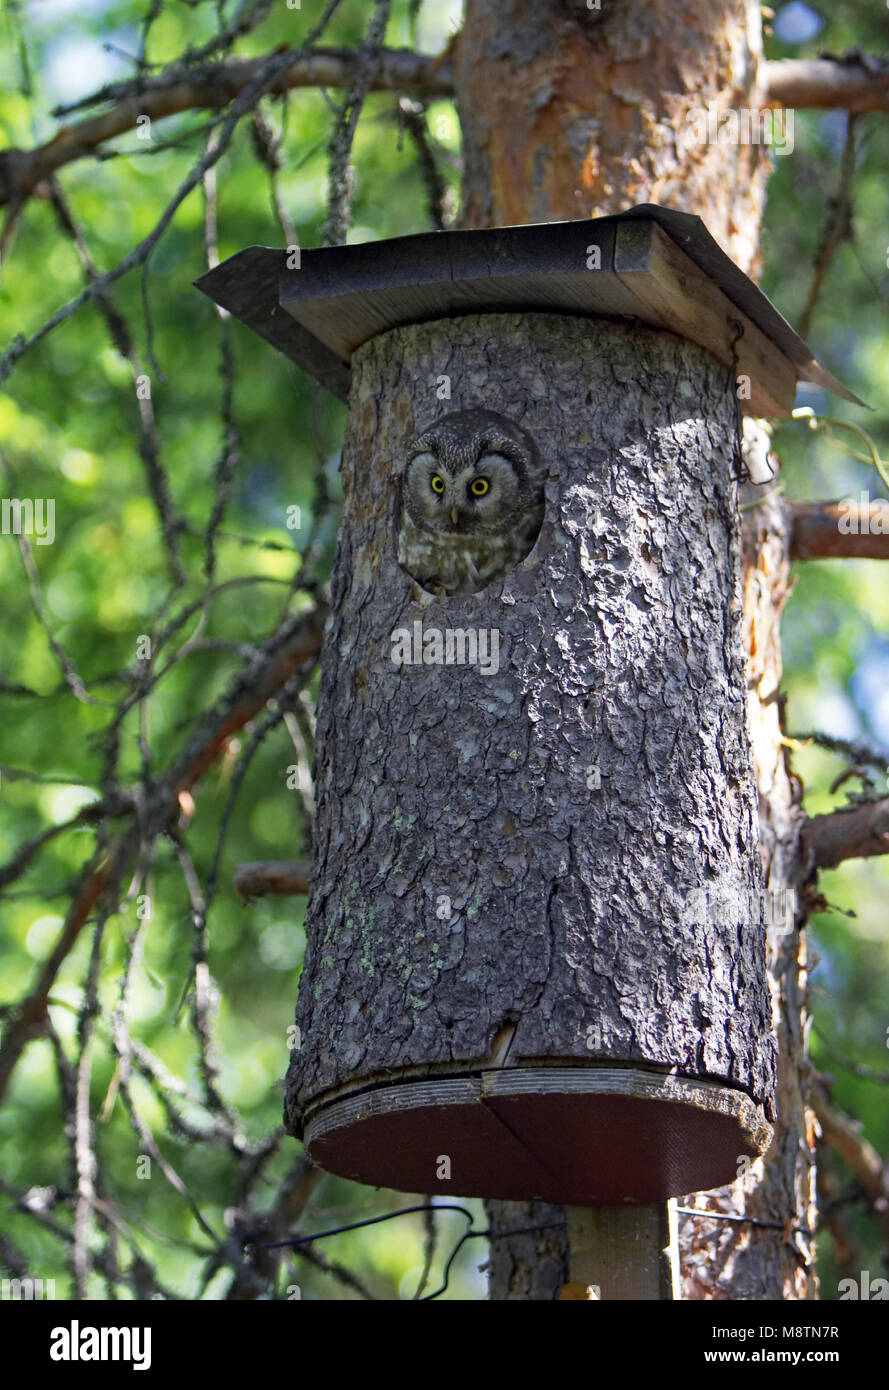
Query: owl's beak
454, 517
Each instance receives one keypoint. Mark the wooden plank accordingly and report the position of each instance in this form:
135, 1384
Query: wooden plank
344, 322
643, 275
345, 299
677, 295
626, 1132
343, 295
583, 1135
622, 1253
690, 234
247, 286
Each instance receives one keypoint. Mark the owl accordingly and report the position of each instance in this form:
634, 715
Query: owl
471, 501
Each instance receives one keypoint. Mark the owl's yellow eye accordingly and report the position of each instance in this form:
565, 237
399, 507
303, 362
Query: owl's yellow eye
437, 483
479, 486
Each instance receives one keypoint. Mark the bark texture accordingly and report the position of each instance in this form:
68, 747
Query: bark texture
570, 112
565, 117
772, 1254
529, 1250
565, 808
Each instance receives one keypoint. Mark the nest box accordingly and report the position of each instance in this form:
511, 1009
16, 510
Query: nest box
535, 960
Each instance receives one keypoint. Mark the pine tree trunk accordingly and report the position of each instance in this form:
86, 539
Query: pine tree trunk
570, 112
570, 914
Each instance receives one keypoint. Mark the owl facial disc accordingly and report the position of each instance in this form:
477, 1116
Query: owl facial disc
472, 501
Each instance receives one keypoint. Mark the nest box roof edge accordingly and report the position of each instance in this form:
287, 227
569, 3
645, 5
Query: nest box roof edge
655, 263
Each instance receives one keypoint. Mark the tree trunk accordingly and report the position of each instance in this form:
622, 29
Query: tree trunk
722, 1259
569, 805
570, 112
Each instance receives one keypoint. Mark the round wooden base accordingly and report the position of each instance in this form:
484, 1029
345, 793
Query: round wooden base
591, 1136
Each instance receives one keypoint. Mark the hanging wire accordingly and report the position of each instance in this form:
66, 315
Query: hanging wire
470, 1234
741, 474
356, 1225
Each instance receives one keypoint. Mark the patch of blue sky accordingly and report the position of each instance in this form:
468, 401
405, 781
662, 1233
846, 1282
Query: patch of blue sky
796, 23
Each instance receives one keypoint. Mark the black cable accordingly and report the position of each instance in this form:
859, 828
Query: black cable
741, 474
746, 1221
408, 1211
355, 1225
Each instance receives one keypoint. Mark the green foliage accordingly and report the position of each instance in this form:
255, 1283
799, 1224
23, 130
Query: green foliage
69, 430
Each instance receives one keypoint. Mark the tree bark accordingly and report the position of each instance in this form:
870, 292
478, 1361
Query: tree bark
725, 1259
560, 121
569, 112
566, 807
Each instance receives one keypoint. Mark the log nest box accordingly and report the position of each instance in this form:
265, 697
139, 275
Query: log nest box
535, 959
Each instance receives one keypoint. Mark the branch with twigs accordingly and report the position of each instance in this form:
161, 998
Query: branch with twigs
282, 656
210, 86
855, 86
141, 810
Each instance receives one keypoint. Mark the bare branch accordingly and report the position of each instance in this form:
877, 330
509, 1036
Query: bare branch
229, 452
864, 757
411, 116
281, 877
87, 815
268, 151
28, 1018
265, 78
845, 1135
855, 85
211, 85
838, 227
69, 671
168, 1086
299, 723
281, 658
339, 178
149, 444
816, 532
859, 831
339, 1271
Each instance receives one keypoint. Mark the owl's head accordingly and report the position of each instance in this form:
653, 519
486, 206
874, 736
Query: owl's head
472, 471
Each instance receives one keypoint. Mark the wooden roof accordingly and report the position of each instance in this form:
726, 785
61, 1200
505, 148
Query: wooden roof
656, 266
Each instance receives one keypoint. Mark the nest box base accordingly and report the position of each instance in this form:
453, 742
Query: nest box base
591, 1136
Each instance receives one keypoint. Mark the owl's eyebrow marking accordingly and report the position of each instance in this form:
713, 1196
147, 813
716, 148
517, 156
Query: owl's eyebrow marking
499, 446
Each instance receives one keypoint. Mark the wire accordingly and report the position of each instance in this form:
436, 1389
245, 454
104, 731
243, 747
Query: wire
356, 1225
469, 1234
747, 1221
742, 473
